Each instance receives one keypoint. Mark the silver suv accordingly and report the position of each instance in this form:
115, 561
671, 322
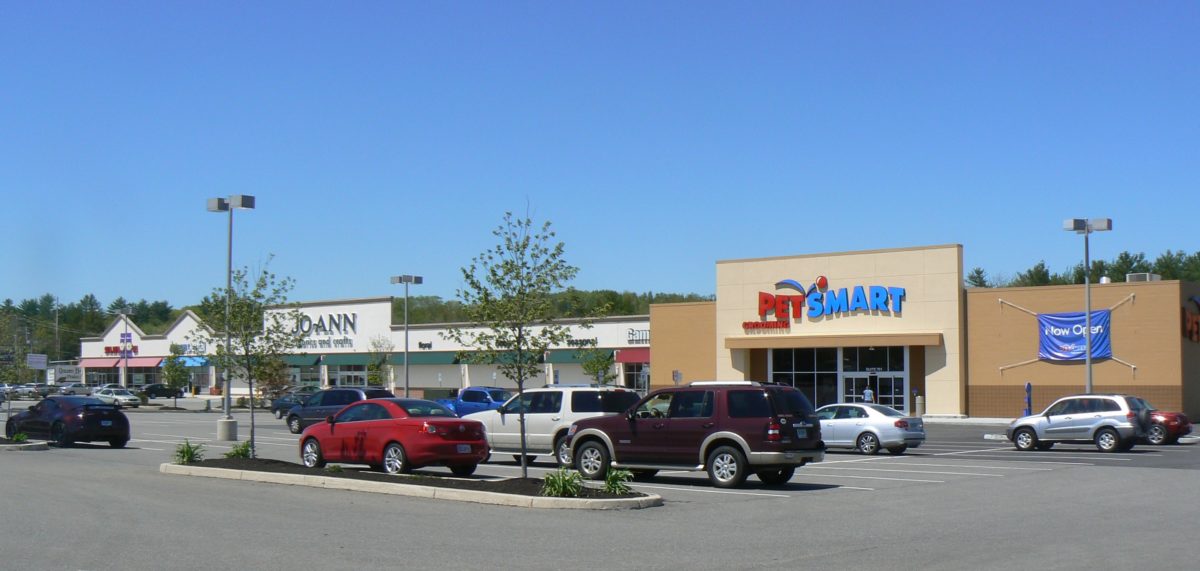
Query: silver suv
1112, 422
549, 412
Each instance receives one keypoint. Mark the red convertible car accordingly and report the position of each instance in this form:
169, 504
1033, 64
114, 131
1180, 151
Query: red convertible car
396, 435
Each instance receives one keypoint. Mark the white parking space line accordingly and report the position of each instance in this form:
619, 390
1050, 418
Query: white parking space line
811, 475
977, 467
936, 473
973, 456
1039, 455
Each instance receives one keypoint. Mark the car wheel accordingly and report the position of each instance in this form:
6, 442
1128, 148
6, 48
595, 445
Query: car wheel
463, 471
58, 435
310, 454
562, 452
776, 477
395, 461
1107, 440
591, 460
727, 467
868, 443
118, 442
898, 450
1024, 439
294, 425
1157, 434
279, 413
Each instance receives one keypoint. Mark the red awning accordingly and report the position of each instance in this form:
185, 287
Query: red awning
141, 362
98, 363
635, 355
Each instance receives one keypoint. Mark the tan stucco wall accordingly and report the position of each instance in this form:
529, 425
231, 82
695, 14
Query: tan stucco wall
682, 340
1145, 333
931, 276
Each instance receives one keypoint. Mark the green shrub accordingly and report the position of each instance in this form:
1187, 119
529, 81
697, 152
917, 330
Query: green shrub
239, 450
335, 468
562, 483
614, 481
20, 437
241, 402
188, 453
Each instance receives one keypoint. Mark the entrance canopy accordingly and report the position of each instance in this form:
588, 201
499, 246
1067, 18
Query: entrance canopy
857, 340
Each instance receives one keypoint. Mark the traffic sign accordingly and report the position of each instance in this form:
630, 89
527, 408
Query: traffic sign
35, 361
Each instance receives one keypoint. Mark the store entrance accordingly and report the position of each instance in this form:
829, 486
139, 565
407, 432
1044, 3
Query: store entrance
889, 389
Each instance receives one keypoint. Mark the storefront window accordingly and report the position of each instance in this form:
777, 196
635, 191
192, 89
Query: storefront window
305, 376
812, 371
637, 376
348, 375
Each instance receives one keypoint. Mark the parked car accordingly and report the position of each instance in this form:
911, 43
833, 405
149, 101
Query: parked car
111, 386
26, 391
154, 390
869, 427
283, 403
1166, 427
549, 413
118, 397
7, 388
730, 429
476, 399
396, 435
75, 389
69, 419
321, 404
1112, 422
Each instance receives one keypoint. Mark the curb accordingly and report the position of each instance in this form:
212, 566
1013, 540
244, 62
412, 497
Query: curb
994, 437
416, 491
26, 447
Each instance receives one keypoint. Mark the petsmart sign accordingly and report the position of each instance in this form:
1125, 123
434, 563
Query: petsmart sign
818, 300
1062, 336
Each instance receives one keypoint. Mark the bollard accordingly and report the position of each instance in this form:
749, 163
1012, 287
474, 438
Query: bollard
207, 406
1028, 399
920, 406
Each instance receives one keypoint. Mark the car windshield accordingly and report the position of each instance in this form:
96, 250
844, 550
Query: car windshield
378, 393
419, 408
885, 410
122, 393
499, 396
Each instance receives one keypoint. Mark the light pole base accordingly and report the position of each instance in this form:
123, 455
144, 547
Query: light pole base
227, 429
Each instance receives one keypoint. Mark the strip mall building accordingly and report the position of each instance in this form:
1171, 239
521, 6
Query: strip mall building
897, 321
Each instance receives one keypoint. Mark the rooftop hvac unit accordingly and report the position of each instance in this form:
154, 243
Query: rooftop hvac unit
1143, 277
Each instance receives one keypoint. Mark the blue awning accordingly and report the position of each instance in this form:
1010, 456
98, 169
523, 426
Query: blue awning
189, 361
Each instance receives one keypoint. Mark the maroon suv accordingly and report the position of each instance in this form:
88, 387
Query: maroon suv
731, 429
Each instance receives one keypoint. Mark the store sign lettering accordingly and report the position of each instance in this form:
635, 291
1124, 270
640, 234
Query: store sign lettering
331, 324
818, 301
116, 350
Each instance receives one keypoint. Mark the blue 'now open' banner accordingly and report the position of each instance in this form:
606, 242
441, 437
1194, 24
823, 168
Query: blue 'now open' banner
1061, 336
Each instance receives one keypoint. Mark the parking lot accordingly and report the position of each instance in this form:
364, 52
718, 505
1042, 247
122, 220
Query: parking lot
959, 501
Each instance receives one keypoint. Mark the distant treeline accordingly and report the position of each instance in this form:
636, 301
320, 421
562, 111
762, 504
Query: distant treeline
570, 303
1170, 265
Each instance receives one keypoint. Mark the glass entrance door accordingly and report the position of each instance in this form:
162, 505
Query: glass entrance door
889, 389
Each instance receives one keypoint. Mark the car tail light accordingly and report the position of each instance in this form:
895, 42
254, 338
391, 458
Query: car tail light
773, 432
902, 424
429, 428
1130, 416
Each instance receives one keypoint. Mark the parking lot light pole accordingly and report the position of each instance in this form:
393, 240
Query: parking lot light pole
1086, 227
227, 426
406, 279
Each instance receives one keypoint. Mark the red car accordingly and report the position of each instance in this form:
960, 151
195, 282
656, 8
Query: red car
1167, 427
396, 435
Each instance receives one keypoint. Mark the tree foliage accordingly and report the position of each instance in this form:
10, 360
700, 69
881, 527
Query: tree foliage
508, 300
261, 329
977, 278
174, 372
379, 349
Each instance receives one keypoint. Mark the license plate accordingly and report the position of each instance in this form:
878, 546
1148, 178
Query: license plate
105, 423
464, 448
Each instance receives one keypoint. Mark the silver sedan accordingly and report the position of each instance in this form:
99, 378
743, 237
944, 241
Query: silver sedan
119, 397
869, 427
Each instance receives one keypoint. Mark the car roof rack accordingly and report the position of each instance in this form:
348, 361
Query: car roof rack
734, 383
562, 385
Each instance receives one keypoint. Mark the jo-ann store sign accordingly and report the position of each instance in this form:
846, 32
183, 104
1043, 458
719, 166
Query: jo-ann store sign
818, 301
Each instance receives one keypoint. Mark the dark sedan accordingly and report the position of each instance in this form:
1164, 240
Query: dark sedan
65, 420
160, 390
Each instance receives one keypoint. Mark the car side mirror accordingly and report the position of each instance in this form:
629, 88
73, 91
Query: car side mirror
329, 419
32, 406
630, 415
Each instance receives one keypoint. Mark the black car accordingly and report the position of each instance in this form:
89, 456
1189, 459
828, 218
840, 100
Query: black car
65, 420
284, 402
325, 403
160, 390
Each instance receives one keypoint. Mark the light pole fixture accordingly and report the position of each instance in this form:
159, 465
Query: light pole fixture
415, 280
227, 426
1086, 227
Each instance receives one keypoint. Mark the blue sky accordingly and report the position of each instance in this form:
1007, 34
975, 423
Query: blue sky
388, 138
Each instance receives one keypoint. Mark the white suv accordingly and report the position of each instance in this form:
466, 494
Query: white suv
549, 412
1112, 422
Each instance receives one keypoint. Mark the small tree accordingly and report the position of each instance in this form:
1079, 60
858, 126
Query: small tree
272, 375
508, 299
597, 364
380, 349
261, 328
174, 372
978, 278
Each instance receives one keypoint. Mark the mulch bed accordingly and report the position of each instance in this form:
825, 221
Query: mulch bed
518, 486
4, 440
